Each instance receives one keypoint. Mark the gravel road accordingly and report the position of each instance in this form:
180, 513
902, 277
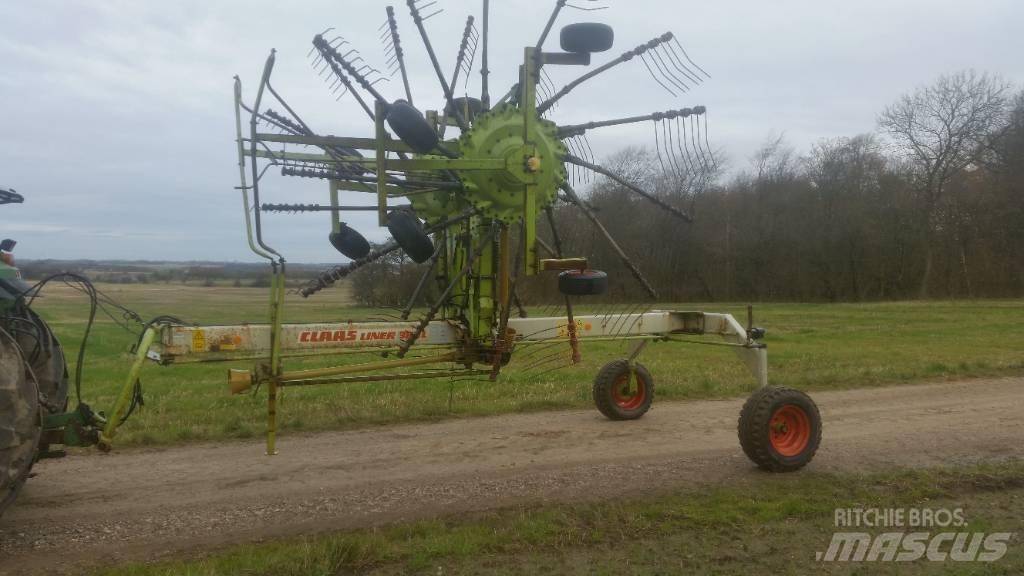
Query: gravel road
93, 509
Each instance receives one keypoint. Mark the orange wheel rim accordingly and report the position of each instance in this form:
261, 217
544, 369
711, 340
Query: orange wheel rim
627, 396
789, 430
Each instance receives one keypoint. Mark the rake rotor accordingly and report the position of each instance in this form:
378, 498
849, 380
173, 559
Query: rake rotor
509, 163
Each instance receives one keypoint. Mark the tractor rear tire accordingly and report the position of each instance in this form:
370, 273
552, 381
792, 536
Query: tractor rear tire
408, 232
780, 429
45, 357
618, 395
20, 420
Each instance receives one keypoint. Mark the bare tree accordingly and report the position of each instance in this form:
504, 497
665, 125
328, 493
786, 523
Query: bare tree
943, 129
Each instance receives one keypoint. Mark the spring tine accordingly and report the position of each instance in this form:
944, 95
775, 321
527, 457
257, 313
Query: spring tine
584, 174
683, 151
569, 143
643, 58
582, 146
698, 165
700, 153
706, 143
657, 57
396, 43
694, 165
677, 151
583, 177
672, 57
429, 16
687, 56
695, 122
586, 177
337, 62
673, 158
545, 78
699, 150
660, 67
474, 43
590, 151
414, 11
666, 144
657, 148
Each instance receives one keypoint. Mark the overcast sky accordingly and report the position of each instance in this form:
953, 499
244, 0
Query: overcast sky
118, 126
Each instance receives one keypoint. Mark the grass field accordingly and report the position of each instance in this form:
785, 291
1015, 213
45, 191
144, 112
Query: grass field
811, 346
775, 523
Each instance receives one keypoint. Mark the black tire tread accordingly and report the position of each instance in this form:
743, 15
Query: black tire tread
408, 231
604, 381
29, 437
753, 425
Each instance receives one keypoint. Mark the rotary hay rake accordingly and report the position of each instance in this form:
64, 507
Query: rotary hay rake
468, 207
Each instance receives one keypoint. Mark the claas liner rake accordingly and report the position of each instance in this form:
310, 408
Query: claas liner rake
463, 190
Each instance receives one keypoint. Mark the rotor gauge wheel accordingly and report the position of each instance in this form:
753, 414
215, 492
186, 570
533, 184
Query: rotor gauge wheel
780, 429
587, 37
622, 392
582, 282
408, 232
349, 242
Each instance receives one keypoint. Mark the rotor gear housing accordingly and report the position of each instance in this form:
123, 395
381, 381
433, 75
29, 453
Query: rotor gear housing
499, 194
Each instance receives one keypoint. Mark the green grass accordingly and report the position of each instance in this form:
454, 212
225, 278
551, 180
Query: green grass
811, 346
773, 522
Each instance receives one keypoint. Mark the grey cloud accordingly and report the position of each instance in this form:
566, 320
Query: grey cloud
118, 119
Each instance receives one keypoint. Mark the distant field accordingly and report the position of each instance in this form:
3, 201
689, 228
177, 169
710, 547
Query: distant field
811, 346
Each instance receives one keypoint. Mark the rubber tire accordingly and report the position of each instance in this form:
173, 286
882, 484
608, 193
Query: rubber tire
583, 282
50, 367
604, 386
408, 232
411, 127
349, 242
18, 389
587, 37
754, 432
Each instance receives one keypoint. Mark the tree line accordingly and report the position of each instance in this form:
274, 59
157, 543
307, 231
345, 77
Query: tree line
931, 205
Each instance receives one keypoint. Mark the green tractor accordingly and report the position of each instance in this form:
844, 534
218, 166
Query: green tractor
33, 373
34, 380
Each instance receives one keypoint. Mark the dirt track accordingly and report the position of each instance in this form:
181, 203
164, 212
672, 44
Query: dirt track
145, 504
